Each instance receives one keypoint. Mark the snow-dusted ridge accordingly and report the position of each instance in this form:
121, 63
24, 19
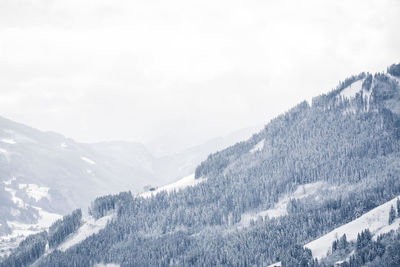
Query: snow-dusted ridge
178, 185
376, 220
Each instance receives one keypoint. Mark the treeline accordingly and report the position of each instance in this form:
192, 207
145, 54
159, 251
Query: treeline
102, 205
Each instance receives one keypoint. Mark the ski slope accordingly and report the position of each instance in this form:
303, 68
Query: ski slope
376, 220
280, 208
89, 227
351, 90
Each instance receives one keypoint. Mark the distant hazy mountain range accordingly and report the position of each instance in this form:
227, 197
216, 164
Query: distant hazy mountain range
44, 175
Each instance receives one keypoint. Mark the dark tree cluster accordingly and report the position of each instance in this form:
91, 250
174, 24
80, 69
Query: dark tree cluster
64, 227
394, 70
102, 205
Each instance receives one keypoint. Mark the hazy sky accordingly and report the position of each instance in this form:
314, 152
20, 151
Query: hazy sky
187, 70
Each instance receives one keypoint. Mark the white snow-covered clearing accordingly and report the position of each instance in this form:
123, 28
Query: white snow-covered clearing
8, 141
63, 145
16, 200
46, 219
351, 90
36, 192
280, 208
258, 147
276, 264
89, 227
376, 220
8, 182
87, 160
178, 185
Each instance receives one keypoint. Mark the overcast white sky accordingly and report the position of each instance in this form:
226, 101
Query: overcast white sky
189, 70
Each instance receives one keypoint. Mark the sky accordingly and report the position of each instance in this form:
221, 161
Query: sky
181, 71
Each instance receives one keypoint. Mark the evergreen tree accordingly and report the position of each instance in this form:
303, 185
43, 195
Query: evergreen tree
392, 214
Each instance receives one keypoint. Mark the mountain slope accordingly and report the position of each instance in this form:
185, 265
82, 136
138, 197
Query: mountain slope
44, 175
346, 144
376, 220
181, 164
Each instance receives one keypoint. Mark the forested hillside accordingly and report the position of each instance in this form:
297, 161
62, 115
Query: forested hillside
346, 144
44, 175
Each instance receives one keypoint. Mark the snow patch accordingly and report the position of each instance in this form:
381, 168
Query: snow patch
89, 227
280, 208
63, 145
10, 181
258, 147
276, 264
46, 219
376, 220
87, 160
178, 185
351, 90
36, 192
16, 200
8, 141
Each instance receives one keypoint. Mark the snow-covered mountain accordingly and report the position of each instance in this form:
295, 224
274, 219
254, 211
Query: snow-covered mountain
282, 197
44, 175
